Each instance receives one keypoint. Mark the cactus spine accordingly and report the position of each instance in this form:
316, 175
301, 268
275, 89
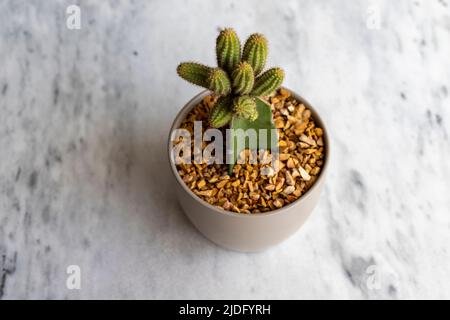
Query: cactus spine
268, 82
245, 107
255, 52
218, 82
195, 73
243, 78
221, 113
228, 49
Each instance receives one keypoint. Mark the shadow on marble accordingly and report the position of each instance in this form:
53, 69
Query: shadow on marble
139, 177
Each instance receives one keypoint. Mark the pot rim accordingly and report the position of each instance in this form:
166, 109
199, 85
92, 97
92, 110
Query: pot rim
319, 121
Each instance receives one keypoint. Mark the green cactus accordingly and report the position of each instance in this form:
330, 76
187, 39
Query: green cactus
218, 82
268, 82
243, 78
239, 92
221, 113
214, 79
245, 107
228, 49
195, 73
255, 52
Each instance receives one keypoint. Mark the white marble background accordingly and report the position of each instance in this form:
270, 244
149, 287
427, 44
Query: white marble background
84, 180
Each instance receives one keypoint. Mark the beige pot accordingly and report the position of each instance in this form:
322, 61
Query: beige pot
247, 232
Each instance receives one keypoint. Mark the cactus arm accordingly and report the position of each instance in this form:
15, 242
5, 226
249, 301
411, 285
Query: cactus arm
218, 82
221, 113
255, 52
194, 73
268, 82
228, 49
243, 78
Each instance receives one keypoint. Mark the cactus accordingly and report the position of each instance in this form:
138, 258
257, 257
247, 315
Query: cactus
195, 73
218, 82
255, 52
235, 83
245, 107
228, 49
214, 79
243, 78
268, 82
221, 113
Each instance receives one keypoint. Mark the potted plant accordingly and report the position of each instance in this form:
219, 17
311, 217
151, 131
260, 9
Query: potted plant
270, 179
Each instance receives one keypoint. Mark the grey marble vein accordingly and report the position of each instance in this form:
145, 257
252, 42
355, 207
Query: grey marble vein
84, 116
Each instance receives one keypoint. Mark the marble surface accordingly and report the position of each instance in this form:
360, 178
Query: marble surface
84, 178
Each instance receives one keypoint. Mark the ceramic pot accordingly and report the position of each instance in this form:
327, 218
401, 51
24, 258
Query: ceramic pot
247, 232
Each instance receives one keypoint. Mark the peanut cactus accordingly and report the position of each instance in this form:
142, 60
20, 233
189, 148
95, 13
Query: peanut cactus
245, 107
214, 79
221, 113
243, 78
219, 82
194, 73
228, 49
238, 82
268, 82
255, 52
235, 74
